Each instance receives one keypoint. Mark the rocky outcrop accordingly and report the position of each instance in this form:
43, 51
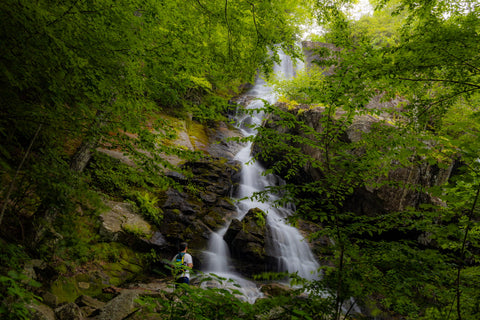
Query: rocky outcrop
123, 305
122, 224
201, 205
69, 311
120, 307
381, 199
220, 144
89, 305
39, 311
276, 289
247, 241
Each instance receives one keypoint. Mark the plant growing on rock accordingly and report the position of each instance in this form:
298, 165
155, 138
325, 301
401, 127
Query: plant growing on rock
148, 207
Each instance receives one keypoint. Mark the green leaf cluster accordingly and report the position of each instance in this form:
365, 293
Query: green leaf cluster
16, 288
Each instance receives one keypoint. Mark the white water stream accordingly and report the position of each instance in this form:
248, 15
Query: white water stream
292, 251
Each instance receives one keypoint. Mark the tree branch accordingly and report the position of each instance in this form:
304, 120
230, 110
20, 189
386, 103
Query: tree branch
441, 80
444, 99
462, 255
457, 58
10, 189
64, 14
259, 35
203, 7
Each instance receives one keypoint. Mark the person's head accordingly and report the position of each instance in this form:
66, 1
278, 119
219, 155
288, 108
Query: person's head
183, 246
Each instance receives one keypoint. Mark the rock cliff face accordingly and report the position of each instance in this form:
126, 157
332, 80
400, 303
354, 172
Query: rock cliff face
203, 205
365, 200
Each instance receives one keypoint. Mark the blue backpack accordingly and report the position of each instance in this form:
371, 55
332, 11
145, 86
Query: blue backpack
179, 258
179, 263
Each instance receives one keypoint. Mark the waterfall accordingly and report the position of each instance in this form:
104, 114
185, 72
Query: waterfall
292, 252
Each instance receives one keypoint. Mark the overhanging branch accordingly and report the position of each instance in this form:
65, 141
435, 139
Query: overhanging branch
440, 80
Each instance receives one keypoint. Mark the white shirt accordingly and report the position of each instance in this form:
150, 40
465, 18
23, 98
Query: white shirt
187, 259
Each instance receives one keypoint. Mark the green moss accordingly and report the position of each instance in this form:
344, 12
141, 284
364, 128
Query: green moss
67, 289
103, 273
113, 268
137, 231
198, 135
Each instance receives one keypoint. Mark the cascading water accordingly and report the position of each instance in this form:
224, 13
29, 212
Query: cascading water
289, 247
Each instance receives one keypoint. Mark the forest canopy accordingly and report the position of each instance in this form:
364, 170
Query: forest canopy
79, 74
74, 73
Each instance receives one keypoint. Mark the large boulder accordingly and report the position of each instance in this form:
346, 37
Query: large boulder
122, 224
120, 307
69, 311
39, 311
247, 241
88, 304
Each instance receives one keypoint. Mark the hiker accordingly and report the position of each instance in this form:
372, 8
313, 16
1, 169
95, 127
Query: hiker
183, 259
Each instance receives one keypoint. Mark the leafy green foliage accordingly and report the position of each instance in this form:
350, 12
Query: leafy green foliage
16, 288
148, 207
397, 260
218, 302
92, 74
16, 294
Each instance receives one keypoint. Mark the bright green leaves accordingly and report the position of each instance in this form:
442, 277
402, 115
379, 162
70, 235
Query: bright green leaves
96, 72
423, 57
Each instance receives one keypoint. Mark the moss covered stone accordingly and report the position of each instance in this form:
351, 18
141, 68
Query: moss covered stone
98, 275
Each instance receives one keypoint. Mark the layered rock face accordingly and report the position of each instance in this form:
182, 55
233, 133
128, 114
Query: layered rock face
204, 204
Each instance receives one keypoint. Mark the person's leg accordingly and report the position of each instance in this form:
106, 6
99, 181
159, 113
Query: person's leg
182, 280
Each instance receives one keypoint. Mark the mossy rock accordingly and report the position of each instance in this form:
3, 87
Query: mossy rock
67, 289
198, 135
99, 275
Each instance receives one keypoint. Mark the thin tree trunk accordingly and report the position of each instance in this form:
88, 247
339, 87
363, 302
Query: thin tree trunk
458, 292
464, 244
339, 299
12, 184
84, 153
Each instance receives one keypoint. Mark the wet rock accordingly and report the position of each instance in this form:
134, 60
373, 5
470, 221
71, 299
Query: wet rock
88, 304
276, 289
220, 146
201, 206
181, 201
157, 239
246, 240
178, 177
50, 299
